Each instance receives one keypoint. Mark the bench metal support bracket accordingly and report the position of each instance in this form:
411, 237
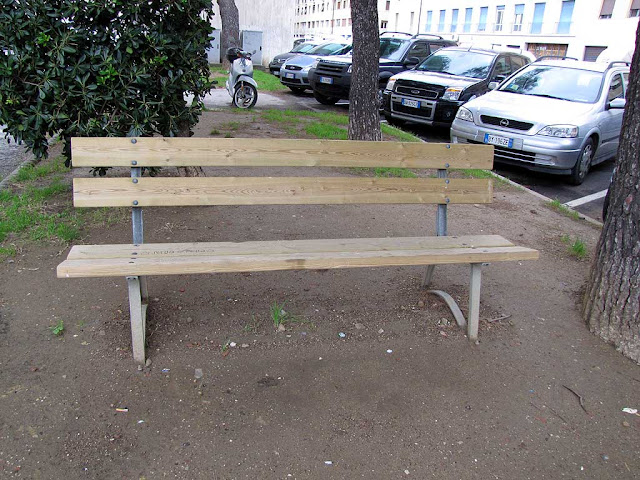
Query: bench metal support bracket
138, 314
474, 303
441, 231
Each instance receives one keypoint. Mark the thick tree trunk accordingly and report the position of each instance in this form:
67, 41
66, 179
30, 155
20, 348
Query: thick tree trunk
612, 301
184, 130
230, 34
364, 117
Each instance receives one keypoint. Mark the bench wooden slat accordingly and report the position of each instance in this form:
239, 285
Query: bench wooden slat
158, 250
179, 191
178, 265
227, 152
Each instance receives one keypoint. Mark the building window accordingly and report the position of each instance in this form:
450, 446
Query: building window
468, 14
454, 20
538, 16
427, 26
542, 49
517, 19
411, 22
564, 25
482, 24
607, 8
591, 53
634, 10
441, 21
383, 24
499, 18
388, 5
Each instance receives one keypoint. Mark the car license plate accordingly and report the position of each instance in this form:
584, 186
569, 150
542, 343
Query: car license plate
289, 75
496, 140
326, 80
410, 103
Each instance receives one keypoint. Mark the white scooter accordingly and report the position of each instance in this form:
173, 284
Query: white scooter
240, 84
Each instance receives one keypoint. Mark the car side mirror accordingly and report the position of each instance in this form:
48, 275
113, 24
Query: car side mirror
493, 85
498, 78
617, 103
412, 61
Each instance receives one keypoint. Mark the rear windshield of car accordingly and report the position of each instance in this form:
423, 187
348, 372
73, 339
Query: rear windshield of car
392, 48
327, 49
563, 83
459, 63
303, 48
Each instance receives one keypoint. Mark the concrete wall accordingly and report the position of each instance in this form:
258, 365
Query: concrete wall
274, 18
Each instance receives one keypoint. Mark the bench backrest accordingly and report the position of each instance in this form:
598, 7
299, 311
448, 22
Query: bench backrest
137, 153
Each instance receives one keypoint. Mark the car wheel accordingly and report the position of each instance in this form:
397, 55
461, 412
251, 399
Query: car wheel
297, 90
583, 163
324, 100
380, 99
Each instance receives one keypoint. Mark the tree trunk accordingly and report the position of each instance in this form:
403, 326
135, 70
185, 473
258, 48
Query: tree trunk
230, 34
612, 300
184, 130
364, 117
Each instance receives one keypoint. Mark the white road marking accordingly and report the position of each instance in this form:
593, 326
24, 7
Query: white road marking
589, 198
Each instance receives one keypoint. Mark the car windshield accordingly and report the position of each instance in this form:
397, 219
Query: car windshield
327, 49
303, 48
458, 62
392, 48
563, 83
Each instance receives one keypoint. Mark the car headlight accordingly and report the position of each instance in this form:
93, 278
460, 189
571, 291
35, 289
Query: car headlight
452, 94
560, 131
349, 69
391, 83
464, 114
315, 63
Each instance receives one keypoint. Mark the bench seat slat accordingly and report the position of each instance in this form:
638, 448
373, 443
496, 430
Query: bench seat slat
156, 250
275, 152
192, 191
300, 260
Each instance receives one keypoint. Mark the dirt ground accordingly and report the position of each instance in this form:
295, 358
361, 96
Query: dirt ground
403, 394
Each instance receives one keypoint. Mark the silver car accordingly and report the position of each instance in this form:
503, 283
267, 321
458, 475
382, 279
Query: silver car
295, 71
556, 116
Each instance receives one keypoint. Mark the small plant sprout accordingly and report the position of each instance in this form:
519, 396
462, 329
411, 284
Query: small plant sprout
58, 328
576, 247
225, 346
278, 313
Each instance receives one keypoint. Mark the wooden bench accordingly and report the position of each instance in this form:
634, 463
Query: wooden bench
137, 260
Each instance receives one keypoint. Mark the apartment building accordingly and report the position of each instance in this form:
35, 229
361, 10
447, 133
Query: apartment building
326, 18
577, 28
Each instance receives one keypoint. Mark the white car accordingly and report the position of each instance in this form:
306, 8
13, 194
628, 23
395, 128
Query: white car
556, 116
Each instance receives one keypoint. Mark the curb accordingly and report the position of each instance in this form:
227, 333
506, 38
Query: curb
590, 220
5, 181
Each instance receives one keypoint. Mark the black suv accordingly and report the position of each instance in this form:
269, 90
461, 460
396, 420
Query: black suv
433, 91
331, 77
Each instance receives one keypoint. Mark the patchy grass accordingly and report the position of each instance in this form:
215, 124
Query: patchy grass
266, 82
231, 125
333, 126
29, 173
215, 131
576, 246
564, 210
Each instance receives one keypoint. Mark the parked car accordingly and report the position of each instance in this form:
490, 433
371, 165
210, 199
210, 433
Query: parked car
330, 79
556, 116
294, 73
300, 49
433, 91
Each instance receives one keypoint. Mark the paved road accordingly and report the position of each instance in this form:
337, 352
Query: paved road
11, 155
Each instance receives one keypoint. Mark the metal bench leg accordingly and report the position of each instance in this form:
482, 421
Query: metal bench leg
138, 313
474, 301
428, 275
